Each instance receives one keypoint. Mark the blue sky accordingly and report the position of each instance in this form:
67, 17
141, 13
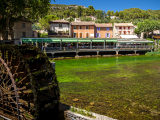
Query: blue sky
114, 4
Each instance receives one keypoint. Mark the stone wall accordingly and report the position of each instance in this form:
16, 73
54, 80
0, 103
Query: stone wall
69, 115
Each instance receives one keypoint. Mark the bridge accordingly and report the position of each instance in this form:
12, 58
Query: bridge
55, 47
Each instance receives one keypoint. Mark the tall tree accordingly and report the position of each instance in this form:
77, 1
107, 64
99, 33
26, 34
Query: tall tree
147, 26
100, 14
79, 11
90, 11
14, 10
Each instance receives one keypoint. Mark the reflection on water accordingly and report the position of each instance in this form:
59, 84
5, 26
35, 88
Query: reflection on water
126, 88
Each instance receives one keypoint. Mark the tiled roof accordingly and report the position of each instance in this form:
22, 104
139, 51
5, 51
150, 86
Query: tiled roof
59, 21
104, 25
82, 23
123, 24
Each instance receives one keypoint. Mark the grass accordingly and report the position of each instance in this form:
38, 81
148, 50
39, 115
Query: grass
153, 53
82, 112
125, 88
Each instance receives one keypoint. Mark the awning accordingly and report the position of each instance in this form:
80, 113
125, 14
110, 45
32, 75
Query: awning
132, 41
69, 40
98, 40
111, 40
64, 40
40, 40
84, 40
128, 36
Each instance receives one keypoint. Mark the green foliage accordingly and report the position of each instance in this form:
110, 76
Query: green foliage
133, 15
100, 14
124, 85
14, 10
153, 53
44, 22
86, 19
147, 26
79, 11
110, 13
43, 35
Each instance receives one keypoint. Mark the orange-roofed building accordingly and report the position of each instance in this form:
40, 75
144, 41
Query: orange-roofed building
83, 29
104, 30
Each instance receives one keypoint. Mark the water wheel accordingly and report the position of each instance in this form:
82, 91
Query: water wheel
28, 85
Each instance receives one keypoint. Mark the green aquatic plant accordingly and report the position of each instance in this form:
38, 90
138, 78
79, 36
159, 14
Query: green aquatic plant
120, 87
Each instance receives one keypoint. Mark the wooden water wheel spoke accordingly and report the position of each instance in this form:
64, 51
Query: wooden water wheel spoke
20, 94
9, 96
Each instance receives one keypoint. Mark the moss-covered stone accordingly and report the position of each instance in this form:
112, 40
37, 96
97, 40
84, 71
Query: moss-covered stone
43, 98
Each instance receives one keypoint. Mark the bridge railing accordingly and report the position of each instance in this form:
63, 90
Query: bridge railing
74, 48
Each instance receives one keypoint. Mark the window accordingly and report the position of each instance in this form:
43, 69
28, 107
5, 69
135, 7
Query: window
74, 35
75, 27
87, 35
129, 32
80, 27
120, 27
107, 28
97, 35
23, 34
60, 25
80, 35
107, 35
120, 32
87, 27
128, 28
124, 32
23, 25
98, 28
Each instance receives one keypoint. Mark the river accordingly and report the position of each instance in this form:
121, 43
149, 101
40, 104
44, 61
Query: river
125, 88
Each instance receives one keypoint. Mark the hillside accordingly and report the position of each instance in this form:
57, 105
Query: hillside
70, 12
127, 15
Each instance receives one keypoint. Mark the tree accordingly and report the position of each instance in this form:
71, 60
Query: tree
109, 13
147, 26
116, 13
79, 11
44, 22
14, 10
100, 14
90, 11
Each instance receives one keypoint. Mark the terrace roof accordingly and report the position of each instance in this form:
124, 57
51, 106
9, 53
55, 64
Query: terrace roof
134, 41
58, 40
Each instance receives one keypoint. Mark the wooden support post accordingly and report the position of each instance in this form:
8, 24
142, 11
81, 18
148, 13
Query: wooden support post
77, 46
91, 45
61, 44
104, 44
77, 50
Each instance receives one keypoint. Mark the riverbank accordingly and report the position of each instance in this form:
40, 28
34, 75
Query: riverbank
91, 56
153, 53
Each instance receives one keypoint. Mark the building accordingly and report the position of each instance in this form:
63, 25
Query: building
21, 29
59, 28
104, 30
83, 29
124, 30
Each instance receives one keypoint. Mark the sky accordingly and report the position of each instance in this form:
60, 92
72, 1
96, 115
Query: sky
114, 5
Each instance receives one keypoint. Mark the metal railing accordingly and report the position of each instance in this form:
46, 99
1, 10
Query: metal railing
74, 48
